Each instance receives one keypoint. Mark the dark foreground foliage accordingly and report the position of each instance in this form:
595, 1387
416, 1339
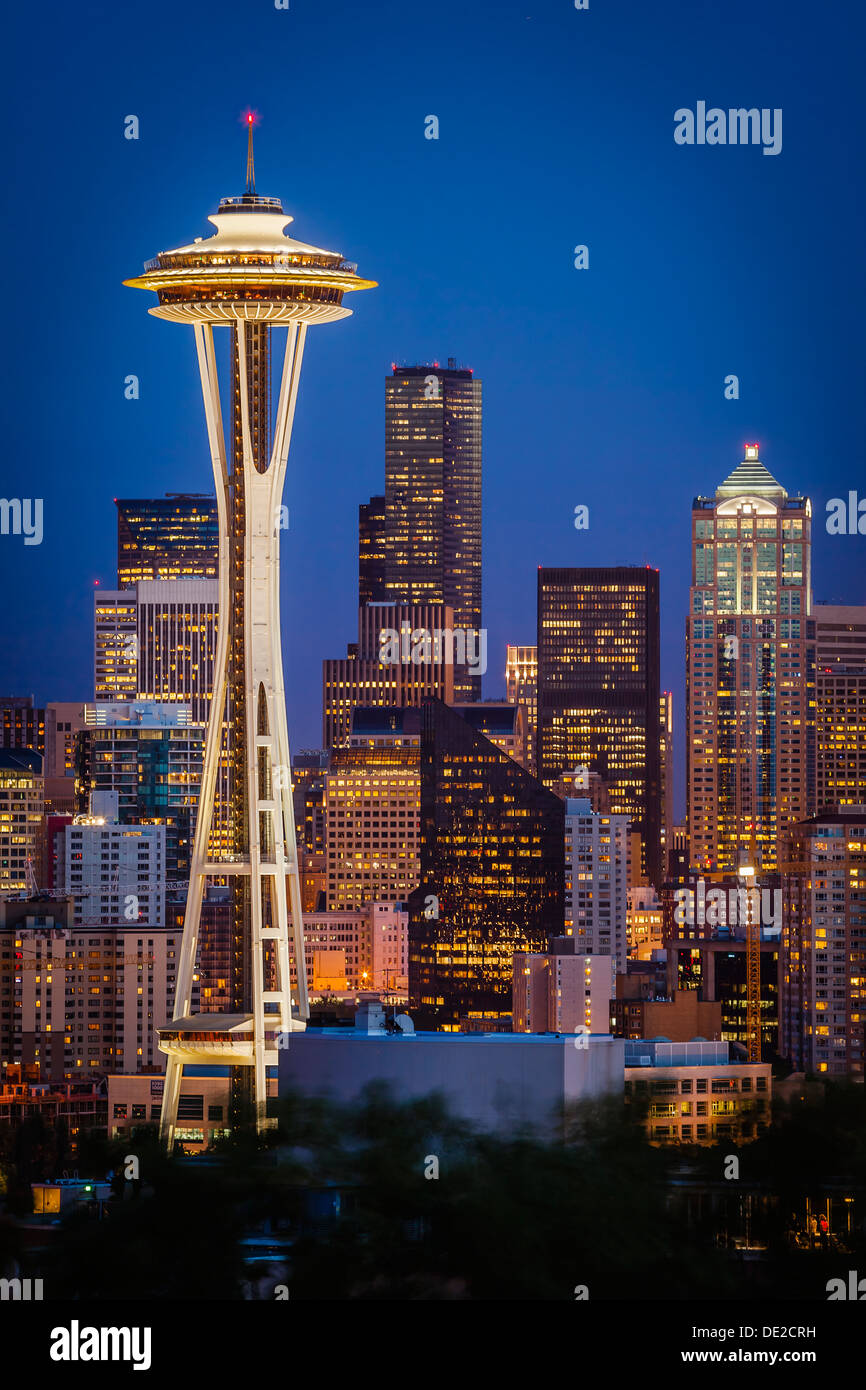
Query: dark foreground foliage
389, 1200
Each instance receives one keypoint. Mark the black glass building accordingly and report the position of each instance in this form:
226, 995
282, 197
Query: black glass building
492, 872
598, 690
171, 537
372, 546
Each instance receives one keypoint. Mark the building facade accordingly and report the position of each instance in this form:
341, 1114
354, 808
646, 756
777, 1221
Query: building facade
410, 672
371, 811
824, 943
596, 880
695, 1094
521, 688
171, 537
157, 642
151, 755
750, 669
559, 991
115, 873
598, 690
362, 950
433, 495
21, 809
491, 881
372, 551
82, 1000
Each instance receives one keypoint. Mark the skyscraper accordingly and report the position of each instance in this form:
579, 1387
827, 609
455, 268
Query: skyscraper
750, 669
247, 277
598, 690
379, 671
596, 881
823, 863
521, 687
840, 734
157, 641
171, 537
21, 806
666, 772
433, 495
371, 811
115, 644
491, 873
22, 725
372, 551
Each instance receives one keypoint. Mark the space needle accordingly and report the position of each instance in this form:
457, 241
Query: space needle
249, 277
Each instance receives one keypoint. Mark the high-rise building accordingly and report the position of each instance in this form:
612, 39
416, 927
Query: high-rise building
309, 767
596, 880
50, 731
560, 991
750, 669
246, 278
151, 756
823, 863
393, 663
372, 551
840, 636
177, 639
86, 1000
706, 925
840, 735
433, 495
371, 810
22, 725
115, 644
21, 807
157, 641
114, 873
171, 537
64, 720
521, 688
598, 690
666, 772
491, 880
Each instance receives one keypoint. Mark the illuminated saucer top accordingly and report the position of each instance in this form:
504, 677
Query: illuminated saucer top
250, 270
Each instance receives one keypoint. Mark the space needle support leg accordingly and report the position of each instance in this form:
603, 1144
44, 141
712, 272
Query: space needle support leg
282, 439
204, 819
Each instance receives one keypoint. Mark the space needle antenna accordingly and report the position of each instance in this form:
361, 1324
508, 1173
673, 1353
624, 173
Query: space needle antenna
251, 168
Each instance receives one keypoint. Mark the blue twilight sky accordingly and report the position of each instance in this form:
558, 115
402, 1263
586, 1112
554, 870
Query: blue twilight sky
602, 386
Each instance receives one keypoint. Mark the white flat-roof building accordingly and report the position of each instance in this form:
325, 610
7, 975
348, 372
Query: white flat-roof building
114, 872
499, 1081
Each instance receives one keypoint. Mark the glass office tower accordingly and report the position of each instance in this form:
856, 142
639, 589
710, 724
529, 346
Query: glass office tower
750, 670
492, 874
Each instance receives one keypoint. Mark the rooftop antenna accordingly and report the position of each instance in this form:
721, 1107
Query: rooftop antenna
251, 168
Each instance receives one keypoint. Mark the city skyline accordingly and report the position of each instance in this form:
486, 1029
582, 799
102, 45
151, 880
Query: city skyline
433, 782
616, 401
